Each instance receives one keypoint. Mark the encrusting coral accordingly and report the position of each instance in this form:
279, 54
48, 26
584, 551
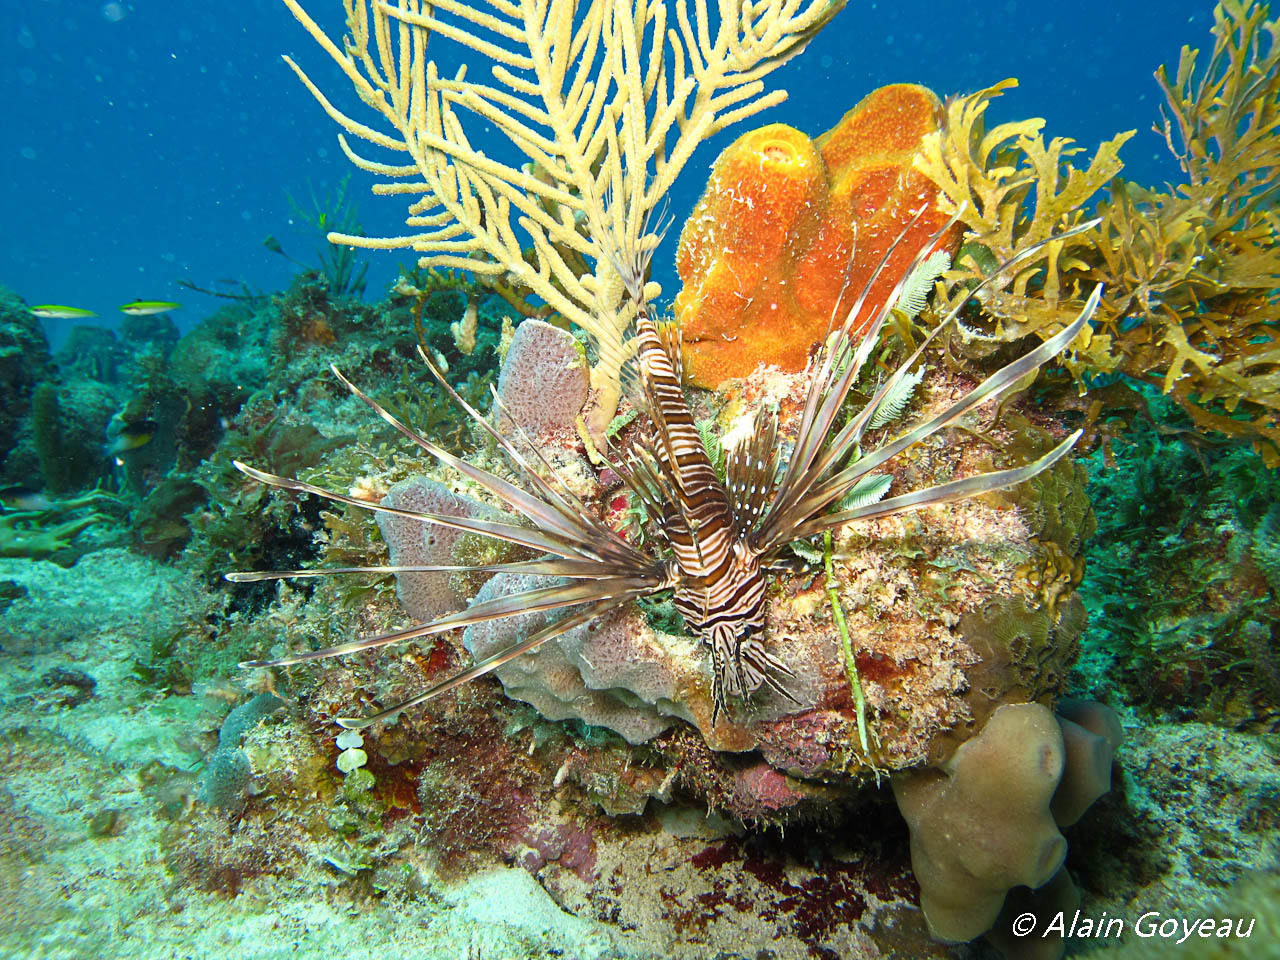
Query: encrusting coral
790, 231
227, 770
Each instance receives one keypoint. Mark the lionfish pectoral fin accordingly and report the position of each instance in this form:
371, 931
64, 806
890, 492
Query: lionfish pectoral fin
548, 541
718, 704
817, 453
489, 664
943, 493
764, 669
804, 516
583, 569
343, 649
550, 511
777, 687
555, 597
719, 675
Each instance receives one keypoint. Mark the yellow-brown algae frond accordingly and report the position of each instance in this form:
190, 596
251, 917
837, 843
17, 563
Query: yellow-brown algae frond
1189, 273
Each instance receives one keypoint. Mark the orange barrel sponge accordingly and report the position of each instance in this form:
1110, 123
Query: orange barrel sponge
785, 219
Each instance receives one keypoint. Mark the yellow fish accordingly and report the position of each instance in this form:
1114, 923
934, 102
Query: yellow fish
128, 436
55, 311
145, 308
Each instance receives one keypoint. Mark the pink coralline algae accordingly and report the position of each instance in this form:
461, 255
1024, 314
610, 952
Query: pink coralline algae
761, 789
573, 847
801, 744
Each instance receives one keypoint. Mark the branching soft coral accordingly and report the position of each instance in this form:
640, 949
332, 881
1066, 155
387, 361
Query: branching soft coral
1189, 276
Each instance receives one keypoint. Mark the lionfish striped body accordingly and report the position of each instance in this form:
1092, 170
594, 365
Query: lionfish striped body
721, 537
719, 585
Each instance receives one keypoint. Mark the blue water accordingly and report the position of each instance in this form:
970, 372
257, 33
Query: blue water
151, 142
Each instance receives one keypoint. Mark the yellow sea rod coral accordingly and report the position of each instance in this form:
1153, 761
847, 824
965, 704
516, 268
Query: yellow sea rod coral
790, 230
602, 105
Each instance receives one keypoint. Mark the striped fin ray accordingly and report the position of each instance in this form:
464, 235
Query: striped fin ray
796, 503
582, 569
650, 479
838, 363
487, 665
838, 360
630, 254
835, 487
609, 590
568, 495
943, 493
552, 514
629, 375
541, 540
574, 503
750, 471
852, 433
672, 345
640, 479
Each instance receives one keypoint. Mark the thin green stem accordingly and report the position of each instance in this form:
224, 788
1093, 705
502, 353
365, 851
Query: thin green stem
846, 645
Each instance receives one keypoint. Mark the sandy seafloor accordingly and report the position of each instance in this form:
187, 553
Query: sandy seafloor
67, 893
1201, 797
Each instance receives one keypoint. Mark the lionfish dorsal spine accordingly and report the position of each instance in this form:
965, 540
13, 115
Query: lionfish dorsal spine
702, 500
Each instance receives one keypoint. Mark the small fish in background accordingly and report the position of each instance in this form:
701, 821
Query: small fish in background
123, 436
23, 499
56, 311
148, 308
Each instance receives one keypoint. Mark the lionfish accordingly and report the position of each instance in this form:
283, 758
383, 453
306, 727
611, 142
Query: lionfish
722, 538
